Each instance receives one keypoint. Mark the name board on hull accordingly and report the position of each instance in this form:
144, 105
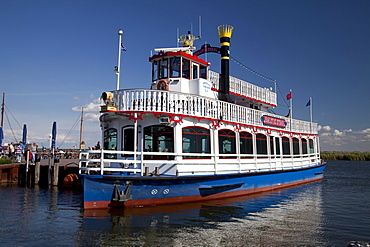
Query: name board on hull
272, 121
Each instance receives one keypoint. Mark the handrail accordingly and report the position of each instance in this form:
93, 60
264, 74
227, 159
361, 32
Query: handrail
94, 161
245, 89
144, 100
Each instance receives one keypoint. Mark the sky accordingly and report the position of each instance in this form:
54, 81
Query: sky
58, 56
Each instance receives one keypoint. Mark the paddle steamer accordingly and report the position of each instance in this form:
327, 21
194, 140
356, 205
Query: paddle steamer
195, 135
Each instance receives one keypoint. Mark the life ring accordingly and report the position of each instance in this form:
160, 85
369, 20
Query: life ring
162, 85
71, 180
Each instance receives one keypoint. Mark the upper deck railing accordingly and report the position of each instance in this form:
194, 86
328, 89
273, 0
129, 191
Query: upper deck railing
175, 103
245, 89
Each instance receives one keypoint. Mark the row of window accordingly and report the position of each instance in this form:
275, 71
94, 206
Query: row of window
159, 138
177, 67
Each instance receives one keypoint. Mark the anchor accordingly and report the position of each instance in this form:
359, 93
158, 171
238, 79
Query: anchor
121, 196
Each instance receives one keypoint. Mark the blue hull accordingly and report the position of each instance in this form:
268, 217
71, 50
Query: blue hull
128, 191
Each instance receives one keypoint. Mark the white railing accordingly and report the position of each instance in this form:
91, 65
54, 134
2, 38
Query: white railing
141, 100
245, 89
94, 162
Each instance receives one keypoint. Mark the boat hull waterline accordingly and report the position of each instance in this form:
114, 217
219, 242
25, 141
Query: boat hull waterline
151, 191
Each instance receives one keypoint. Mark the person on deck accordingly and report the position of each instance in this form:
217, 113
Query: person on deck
97, 147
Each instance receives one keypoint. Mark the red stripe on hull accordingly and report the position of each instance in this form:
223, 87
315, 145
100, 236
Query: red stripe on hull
185, 199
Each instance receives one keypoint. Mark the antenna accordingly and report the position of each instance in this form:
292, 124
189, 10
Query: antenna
200, 26
177, 37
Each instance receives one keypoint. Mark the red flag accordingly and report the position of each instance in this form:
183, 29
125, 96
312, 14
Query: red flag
289, 96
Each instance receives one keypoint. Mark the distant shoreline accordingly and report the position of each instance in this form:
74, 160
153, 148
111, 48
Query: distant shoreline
353, 156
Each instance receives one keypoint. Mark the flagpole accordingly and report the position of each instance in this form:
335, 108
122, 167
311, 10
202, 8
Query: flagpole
120, 33
291, 108
311, 113
291, 105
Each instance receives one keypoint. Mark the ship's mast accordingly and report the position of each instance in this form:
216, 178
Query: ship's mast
82, 119
2, 111
120, 47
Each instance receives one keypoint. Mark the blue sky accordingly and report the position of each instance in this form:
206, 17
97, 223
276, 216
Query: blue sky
58, 56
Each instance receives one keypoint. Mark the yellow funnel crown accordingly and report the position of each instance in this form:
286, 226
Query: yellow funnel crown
225, 31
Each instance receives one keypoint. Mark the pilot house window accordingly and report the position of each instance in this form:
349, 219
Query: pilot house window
175, 68
203, 72
185, 68
163, 68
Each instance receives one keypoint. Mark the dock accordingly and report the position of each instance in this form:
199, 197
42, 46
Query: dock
55, 172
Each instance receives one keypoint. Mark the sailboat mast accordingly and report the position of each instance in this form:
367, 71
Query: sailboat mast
82, 119
2, 111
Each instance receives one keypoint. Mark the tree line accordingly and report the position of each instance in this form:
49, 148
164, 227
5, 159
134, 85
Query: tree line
358, 156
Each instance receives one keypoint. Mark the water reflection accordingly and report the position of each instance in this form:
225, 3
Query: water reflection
282, 217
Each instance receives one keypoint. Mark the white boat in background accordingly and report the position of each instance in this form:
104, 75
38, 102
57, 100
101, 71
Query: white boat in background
195, 135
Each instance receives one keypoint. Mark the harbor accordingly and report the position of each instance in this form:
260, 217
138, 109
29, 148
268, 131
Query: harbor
323, 213
59, 172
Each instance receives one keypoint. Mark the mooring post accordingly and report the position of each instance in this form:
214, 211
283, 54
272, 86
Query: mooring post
37, 172
56, 173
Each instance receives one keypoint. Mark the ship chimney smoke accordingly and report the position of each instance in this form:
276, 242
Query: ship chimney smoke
224, 32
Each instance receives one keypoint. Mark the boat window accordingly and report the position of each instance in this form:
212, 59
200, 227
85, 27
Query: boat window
163, 68
246, 143
277, 145
304, 146
196, 140
272, 145
155, 71
186, 68
127, 140
295, 146
286, 146
195, 71
261, 144
110, 142
226, 142
158, 138
312, 150
203, 72
175, 67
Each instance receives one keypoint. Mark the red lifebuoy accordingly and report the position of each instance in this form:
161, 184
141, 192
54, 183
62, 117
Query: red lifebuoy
162, 85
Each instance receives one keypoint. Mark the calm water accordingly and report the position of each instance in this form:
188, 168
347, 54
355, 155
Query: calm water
330, 212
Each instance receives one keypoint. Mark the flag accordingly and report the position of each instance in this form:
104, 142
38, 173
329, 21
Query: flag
289, 96
308, 103
123, 48
288, 115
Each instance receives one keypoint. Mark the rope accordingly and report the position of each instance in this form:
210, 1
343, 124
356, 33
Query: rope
10, 126
264, 77
253, 71
69, 132
13, 117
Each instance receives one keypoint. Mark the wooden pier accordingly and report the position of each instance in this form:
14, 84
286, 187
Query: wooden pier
54, 172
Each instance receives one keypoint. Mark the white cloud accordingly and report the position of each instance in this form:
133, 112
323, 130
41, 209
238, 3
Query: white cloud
345, 140
365, 131
324, 128
338, 133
